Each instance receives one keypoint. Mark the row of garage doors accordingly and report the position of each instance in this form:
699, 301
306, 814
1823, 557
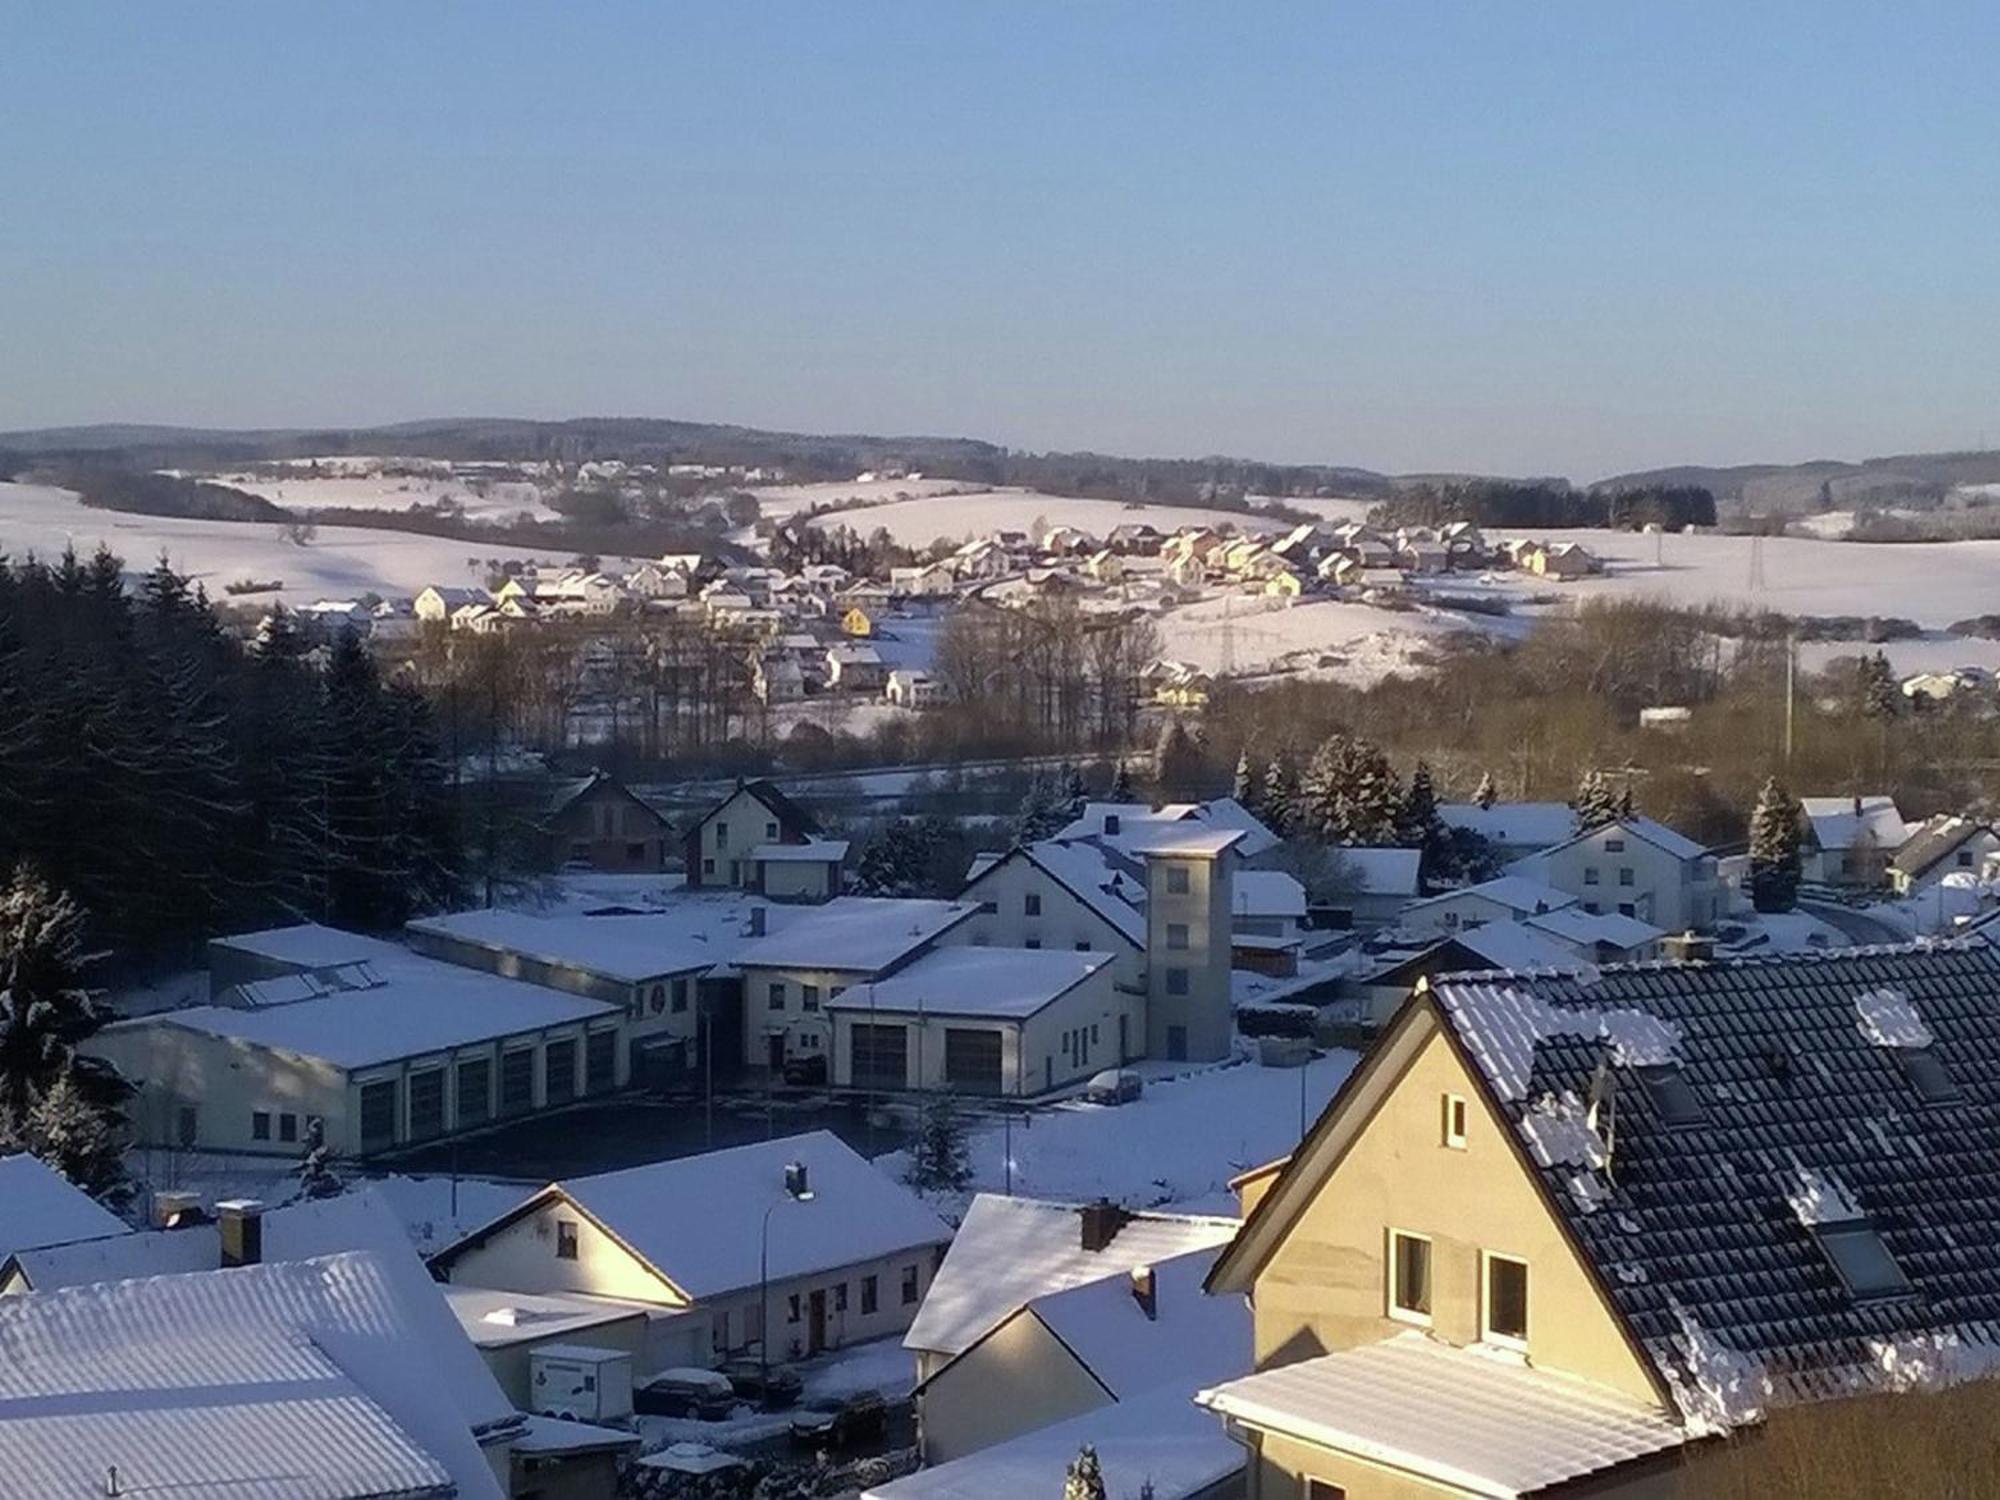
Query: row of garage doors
880, 1058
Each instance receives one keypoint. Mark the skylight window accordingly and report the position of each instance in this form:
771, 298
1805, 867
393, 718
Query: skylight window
1863, 1261
1673, 1099
1927, 1075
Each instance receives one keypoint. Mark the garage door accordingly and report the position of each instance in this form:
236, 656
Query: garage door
972, 1061
879, 1056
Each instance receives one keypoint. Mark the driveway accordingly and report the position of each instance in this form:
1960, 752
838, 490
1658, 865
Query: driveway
1859, 926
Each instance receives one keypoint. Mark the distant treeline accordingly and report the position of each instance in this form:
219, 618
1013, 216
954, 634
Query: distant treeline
144, 492
1545, 505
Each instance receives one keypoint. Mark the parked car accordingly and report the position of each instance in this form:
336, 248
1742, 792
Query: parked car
806, 1070
773, 1389
688, 1392
842, 1424
1114, 1086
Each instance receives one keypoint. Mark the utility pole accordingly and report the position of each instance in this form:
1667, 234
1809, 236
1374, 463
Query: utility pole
1791, 682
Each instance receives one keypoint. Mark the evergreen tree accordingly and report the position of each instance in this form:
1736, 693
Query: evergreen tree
1121, 784
1282, 807
1488, 793
1044, 811
1418, 824
1085, 1479
1595, 803
1075, 795
1248, 785
78, 1137
52, 1099
1627, 805
1776, 849
1177, 763
1317, 808
939, 1160
317, 1178
1372, 800
1880, 692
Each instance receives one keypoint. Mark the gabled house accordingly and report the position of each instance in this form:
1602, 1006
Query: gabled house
1068, 1352
924, 581
1943, 846
906, 687
1513, 829
684, 1239
1636, 867
440, 602
1505, 898
853, 666
756, 813
1675, 1197
1849, 841
595, 822
857, 622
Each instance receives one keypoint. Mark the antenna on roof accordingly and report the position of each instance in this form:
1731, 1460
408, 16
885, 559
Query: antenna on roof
1602, 1115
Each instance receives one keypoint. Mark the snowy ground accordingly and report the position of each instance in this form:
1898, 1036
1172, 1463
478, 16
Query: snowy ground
1177, 1145
1335, 509
341, 562
957, 518
1356, 642
498, 500
778, 500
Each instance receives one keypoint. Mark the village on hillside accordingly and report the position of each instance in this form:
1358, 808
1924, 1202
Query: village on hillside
1317, 1136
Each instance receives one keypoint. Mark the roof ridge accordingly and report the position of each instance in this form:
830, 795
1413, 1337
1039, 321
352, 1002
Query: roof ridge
1964, 943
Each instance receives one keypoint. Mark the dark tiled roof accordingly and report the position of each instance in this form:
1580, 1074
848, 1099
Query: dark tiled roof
1933, 842
792, 816
1694, 1221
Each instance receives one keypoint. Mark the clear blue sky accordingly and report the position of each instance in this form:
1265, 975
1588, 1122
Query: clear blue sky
1514, 235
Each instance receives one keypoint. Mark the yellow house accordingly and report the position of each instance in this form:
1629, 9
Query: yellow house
1558, 1234
857, 622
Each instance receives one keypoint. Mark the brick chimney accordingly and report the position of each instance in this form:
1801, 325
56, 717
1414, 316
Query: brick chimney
1146, 1292
1101, 1222
242, 1224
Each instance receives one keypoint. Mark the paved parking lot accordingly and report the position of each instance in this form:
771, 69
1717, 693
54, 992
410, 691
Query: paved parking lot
629, 1131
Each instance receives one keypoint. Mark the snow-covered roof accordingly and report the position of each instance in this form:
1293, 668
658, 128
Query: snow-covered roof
1010, 1251
1573, 924
419, 1005
1842, 823
298, 1381
1158, 1444
1190, 1339
697, 1220
628, 948
38, 1207
1104, 878
1477, 1422
1183, 841
1656, 833
1132, 825
854, 934
815, 852
1267, 893
1783, 1063
1378, 872
1516, 946
1933, 841
493, 1319
1514, 825
1517, 893
996, 983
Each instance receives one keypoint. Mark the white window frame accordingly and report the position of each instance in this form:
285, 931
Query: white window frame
1404, 1314
1486, 1330
1457, 1121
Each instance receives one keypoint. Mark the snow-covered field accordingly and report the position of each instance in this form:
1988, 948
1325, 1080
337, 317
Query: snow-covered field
494, 501
340, 562
1334, 509
1178, 1144
784, 499
1932, 583
960, 517
1355, 642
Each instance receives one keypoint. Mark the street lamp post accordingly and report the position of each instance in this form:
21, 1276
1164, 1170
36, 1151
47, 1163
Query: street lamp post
797, 1190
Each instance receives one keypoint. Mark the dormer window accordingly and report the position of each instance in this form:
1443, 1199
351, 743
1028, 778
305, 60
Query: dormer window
1927, 1075
1672, 1098
1863, 1261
